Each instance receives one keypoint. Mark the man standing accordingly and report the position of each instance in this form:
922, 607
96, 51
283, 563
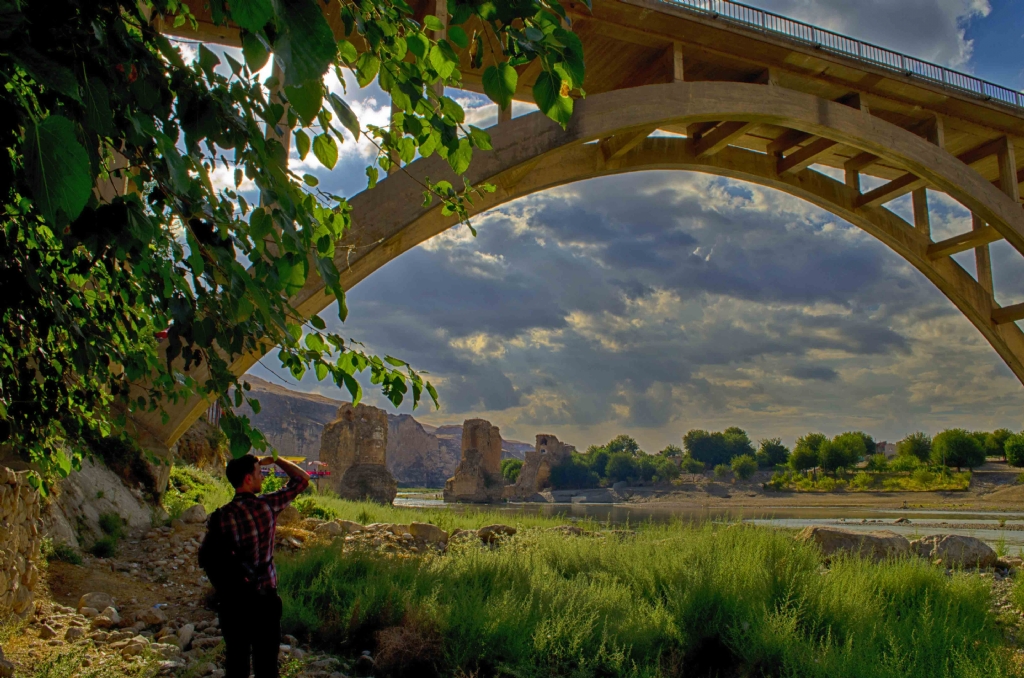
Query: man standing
243, 532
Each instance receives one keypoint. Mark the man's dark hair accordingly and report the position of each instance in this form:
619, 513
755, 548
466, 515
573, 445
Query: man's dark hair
239, 468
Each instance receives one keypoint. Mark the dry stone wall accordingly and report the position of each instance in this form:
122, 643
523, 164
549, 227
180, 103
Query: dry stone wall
19, 542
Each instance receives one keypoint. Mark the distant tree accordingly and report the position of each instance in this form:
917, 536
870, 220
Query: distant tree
647, 467
510, 469
623, 443
597, 458
843, 451
917, 445
1014, 449
722, 470
878, 463
959, 448
574, 474
691, 465
995, 442
737, 442
666, 468
905, 463
744, 466
869, 444
622, 467
806, 452
980, 436
673, 451
771, 452
717, 448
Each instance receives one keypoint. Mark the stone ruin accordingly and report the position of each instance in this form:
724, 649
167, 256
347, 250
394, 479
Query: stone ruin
20, 539
535, 476
478, 476
354, 446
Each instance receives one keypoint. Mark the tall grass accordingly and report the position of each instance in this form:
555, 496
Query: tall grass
675, 600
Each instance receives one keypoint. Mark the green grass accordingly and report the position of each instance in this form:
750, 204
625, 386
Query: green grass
675, 600
189, 486
921, 480
51, 551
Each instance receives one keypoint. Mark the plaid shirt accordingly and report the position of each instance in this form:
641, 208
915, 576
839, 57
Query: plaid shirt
251, 523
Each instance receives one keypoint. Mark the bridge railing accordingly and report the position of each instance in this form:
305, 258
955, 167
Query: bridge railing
774, 24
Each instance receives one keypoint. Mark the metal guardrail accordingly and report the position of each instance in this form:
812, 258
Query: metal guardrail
773, 24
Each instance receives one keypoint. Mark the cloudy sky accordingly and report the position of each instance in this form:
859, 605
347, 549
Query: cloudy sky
653, 303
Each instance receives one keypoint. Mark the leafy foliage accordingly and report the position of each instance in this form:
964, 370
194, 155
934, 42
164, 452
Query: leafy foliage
132, 279
719, 447
917, 445
1014, 449
744, 466
806, 452
843, 451
771, 453
957, 447
510, 469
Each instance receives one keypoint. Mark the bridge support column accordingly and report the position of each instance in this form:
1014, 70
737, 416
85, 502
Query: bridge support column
982, 258
922, 218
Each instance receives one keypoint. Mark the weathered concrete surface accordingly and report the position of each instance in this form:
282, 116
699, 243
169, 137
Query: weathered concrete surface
477, 478
354, 446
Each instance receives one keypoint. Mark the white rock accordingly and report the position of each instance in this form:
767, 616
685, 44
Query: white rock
185, 634
152, 616
112, 614
329, 530
96, 600
429, 533
350, 527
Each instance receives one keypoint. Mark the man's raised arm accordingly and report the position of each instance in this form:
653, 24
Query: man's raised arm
295, 474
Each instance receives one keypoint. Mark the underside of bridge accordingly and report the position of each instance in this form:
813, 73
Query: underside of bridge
734, 102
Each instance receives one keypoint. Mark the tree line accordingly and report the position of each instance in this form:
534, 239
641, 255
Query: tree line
732, 451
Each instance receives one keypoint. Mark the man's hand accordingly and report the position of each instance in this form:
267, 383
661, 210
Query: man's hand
267, 461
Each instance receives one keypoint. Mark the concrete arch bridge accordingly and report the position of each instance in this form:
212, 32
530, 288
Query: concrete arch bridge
746, 95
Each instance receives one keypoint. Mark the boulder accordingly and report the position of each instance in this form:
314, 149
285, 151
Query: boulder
74, 633
96, 600
289, 515
432, 534
46, 632
185, 634
955, 550
194, 515
310, 524
88, 612
875, 545
329, 530
151, 616
492, 533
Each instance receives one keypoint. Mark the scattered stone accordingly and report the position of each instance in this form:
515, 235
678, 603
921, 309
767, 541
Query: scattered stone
74, 633
185, 634
901, 521
289, 515
194, 514
177, 524
350, 527
331, 529
46, 632
875, 545
493, 533
151, 616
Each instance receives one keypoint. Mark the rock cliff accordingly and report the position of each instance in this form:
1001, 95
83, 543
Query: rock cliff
292, 421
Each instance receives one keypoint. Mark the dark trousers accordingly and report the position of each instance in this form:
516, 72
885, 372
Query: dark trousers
251, 624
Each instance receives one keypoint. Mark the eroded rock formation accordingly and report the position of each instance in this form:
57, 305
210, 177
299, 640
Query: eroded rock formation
477, 478
292, 421
535, 475
416, 456
354, 446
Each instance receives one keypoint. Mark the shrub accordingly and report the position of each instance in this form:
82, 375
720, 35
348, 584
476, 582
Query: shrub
722, 470
863, 481
771, 453
1014, 449
665, 469
574, 474
273, 483
51, 551
844, 450
104, 548
123, 456
922, 476
956, 447
189, 485
510, 469
744, 466
691, 465
904, 463
717, 448
112, 525
995, 442
311, 508
878, 463
622, 467
917, 445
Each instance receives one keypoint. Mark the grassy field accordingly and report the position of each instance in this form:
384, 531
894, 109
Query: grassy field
674, 600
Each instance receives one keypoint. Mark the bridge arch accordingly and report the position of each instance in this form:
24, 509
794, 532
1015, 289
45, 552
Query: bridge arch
609, 134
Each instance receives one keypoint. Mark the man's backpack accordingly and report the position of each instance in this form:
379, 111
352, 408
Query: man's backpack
226, 570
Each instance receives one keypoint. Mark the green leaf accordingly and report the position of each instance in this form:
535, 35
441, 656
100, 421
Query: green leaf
207, 59
252, 15
372, 174
441, 61
458, 36
547, 95
432, 23
48, 73
460, 158
347, 51
310, 180
57, 169
314, 342
326, 150
366, 68
317, 322
500, 83
419, 45
480, 138
305, 44
306, 100
254, 51
573, 55
301, 143
345, 114
321, 371
98, 115
534, 34
451, 109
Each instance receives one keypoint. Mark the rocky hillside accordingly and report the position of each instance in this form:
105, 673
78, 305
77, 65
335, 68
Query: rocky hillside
418, 454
